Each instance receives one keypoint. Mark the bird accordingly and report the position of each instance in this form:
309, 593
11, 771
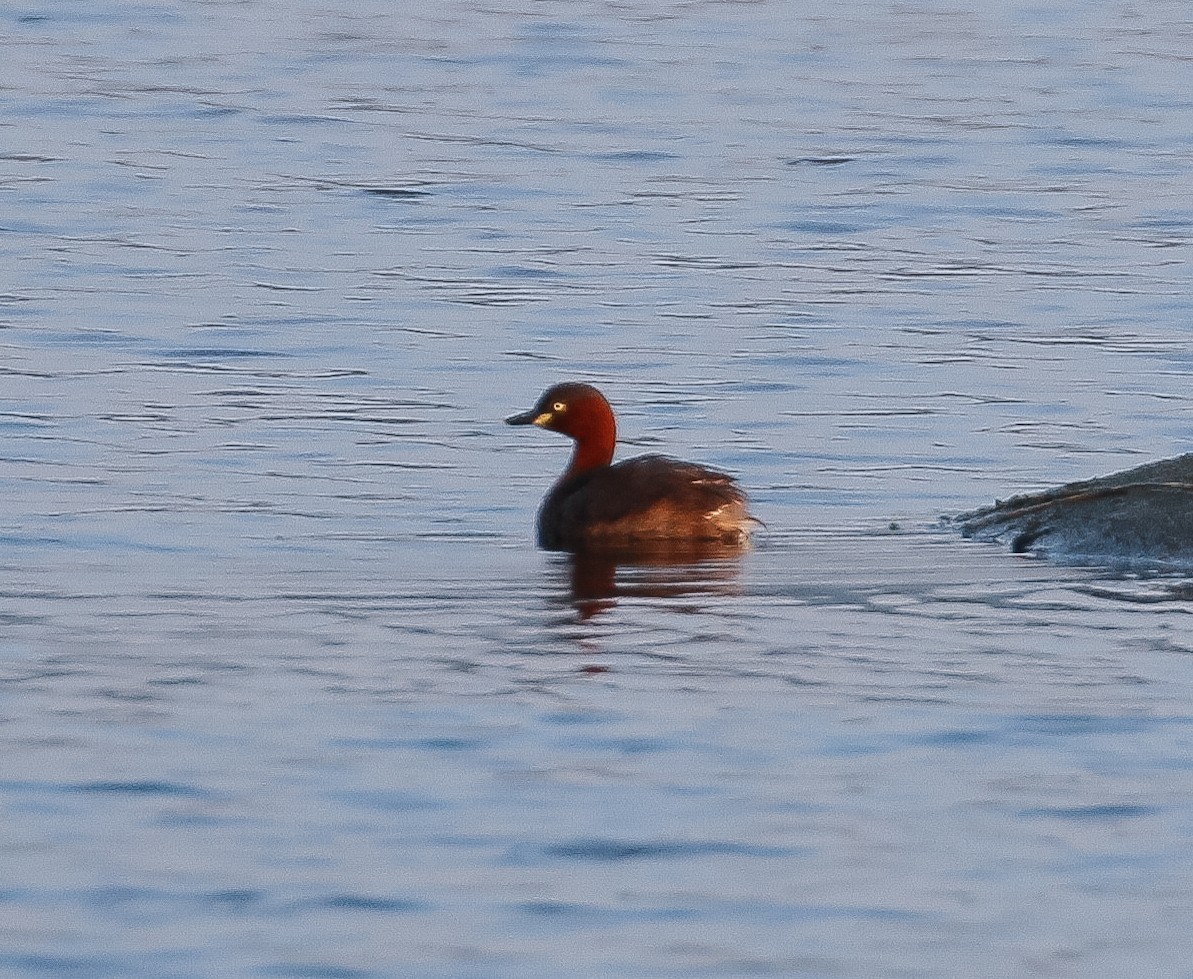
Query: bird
650, 501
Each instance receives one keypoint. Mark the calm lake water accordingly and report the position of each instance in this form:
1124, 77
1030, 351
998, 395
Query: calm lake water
286, 689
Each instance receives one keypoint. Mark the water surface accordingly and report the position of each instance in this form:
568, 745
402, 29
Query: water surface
288, 691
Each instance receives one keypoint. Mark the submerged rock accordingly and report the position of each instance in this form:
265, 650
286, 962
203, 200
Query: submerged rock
1139, 516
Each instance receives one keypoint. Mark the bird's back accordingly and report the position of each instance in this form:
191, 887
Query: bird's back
646, 499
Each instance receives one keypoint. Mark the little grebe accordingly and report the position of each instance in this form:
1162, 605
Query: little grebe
647, 501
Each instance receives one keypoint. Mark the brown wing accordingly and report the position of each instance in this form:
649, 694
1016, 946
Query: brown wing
646, 498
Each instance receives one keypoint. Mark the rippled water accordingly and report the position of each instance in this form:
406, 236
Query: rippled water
288, 691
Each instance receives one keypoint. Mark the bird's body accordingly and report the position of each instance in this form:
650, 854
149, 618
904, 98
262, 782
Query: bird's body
647, 501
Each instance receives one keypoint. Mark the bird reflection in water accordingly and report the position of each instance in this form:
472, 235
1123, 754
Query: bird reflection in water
598, 580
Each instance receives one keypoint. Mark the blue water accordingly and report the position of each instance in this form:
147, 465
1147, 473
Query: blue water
286, 689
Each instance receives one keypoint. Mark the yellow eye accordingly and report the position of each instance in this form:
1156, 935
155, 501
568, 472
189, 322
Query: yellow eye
559, 406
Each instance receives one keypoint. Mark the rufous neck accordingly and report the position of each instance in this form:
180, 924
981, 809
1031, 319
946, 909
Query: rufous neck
592, 452
595, 432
